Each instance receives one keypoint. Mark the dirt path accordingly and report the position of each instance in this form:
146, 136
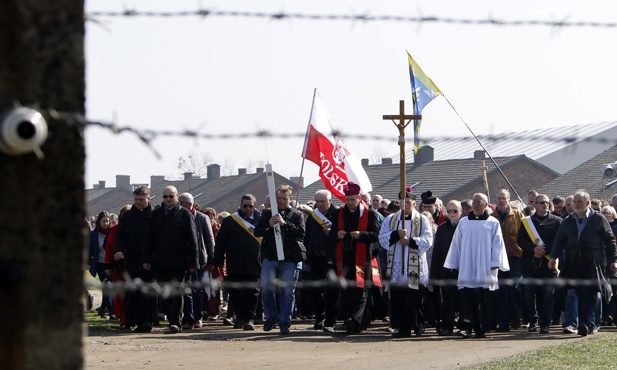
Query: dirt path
220, 347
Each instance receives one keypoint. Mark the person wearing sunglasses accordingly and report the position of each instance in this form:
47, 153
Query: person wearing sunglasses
446, 292
536, 237
170, 249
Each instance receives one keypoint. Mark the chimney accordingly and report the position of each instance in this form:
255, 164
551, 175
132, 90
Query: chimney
479, 154
259, 170
123, 182
101, 184
386, 160
425, 155
214, 171
155, 180
95, 186
364, 162
188, 176
298, 180
241, 171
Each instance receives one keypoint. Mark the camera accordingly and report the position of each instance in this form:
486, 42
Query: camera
22, 130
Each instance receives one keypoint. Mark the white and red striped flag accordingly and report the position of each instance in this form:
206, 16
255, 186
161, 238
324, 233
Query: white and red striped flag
337, 164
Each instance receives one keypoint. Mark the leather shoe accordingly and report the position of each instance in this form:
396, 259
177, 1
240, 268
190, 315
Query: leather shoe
269, 324
402, 334
350, 326
284, 329
238, 324
583, 330
249, 325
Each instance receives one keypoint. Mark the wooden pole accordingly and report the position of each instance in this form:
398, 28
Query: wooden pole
42, 232
485, 179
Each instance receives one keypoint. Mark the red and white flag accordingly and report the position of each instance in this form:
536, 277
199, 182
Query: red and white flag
337, 164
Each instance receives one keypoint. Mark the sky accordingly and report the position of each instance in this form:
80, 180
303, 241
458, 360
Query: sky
223, 75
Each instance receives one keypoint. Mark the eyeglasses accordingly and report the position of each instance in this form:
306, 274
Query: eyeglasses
248, 206
168, 196
545, 202
452, 210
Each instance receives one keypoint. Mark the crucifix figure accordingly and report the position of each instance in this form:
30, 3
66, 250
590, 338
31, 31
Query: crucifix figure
401, 125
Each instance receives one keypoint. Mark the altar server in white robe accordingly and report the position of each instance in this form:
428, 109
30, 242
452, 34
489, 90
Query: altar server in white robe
477, 252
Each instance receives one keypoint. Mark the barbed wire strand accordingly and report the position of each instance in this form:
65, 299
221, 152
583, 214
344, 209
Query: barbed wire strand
148, 136
361, 17
332, 281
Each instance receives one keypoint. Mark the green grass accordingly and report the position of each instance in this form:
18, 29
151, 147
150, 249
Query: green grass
596, 353
98, 325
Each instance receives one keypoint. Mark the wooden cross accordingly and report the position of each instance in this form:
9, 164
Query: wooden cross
485, 179
401, 125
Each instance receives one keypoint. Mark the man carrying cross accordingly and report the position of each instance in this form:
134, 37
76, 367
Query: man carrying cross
407, 244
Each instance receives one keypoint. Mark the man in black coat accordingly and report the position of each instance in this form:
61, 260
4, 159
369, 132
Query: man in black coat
129, 246
536, 236
236, 244
589, 245
447, 292
170, 249
320, 251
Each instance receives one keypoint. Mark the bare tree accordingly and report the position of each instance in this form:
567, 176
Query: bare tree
228, 167
378, 153
250, 165
196, 163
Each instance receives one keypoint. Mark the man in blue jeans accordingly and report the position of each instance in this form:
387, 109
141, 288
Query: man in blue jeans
284, 268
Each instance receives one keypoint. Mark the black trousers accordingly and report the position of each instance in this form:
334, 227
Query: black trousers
174, 304
322, 301
447, 298
406, 307
356, 304
244, 300
473, 309
140, 307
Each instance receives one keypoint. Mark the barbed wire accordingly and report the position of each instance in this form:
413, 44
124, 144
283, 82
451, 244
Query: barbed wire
332, 281
147, 136
364, 17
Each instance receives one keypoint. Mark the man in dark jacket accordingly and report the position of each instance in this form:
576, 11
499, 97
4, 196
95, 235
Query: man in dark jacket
236, 244
285, 267
170, 249
589, 245
447, 293
128, 246
320, 251
194, 302
536, 236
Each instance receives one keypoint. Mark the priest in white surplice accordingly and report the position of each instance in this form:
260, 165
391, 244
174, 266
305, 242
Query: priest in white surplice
477, 251
407, 266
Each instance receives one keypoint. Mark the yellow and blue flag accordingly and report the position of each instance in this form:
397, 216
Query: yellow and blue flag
423, 90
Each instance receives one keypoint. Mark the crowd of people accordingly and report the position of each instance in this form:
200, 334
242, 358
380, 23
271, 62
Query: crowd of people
463, 267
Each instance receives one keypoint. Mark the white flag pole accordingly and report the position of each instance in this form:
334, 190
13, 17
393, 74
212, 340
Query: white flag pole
273, 206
